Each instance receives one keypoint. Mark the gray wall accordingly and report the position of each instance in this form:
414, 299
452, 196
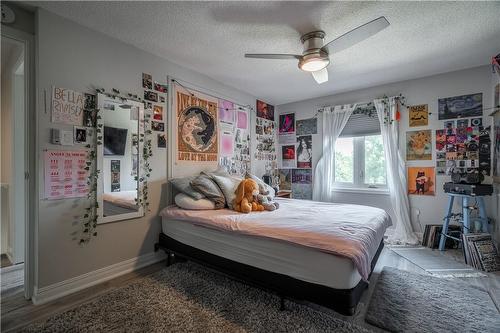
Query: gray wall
420, 91
81, 59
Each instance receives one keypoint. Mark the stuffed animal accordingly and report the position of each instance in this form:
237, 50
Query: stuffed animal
266, 200
244, 201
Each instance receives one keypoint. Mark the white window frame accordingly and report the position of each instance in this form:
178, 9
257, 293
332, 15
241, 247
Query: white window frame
359, 169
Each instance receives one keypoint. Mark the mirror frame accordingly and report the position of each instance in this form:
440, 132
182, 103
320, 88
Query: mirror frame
101, 99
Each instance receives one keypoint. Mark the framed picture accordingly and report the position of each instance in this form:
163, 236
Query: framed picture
460, 106
80, 134
419, 115
419, 145
421, 180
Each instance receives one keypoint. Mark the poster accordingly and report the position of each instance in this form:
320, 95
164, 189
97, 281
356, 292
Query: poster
80, 134
285, 179
242, 120
160, 87
196, 128
226, 112
150, 96
418, 115
226, 142
421, 180
302, 191
300, 176
265, 110
304, 152
419, 145
65, 174
115, 175
67, 106
162, 140
306, 126
286, 128
288, 157
460, 106
158, 112
147, 81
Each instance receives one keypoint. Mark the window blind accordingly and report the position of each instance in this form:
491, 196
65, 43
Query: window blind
360, 124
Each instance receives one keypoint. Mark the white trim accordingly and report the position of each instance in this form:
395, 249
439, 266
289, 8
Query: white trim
366, 190
77, 283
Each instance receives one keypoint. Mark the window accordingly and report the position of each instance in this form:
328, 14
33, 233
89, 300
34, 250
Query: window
360, 162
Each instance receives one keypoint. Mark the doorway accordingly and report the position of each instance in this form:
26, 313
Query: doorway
15, 146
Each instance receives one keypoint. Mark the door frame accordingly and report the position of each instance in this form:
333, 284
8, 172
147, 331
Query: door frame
30, 158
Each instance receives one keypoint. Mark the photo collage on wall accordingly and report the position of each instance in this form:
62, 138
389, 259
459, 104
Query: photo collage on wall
296, 151
265, 128
463, 146
234, 138
155, 107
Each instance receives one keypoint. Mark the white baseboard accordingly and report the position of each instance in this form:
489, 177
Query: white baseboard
63, 288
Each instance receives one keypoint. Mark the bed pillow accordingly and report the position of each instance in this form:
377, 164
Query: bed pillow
206, 186
261, 182
186, 202
220, 171
228, 185
183, 185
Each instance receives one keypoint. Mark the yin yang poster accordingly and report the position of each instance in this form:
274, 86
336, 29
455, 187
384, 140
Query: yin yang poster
196, 127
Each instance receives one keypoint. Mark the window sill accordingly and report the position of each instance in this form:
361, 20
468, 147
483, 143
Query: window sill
362, 190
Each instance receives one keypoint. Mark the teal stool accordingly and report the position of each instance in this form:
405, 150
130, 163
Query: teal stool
465, 212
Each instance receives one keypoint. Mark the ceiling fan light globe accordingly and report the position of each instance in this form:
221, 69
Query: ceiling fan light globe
314, 64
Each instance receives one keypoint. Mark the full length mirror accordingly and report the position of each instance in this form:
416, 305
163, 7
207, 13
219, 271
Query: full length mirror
119, 156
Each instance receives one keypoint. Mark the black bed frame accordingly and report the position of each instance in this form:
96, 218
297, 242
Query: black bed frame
343, 301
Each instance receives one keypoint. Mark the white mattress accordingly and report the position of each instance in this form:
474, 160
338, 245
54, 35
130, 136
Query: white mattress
297, 261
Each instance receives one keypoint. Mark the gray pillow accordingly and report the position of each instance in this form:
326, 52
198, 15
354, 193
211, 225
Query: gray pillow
220, 171
261, 182
183, 185
228, 185
205, 185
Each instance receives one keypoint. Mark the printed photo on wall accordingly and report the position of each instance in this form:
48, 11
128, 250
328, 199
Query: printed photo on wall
160, 87
242, 120
476, 122
288, 156
156, 126
150, 96
302, 191
161, 99
147, 81
265, 110
287, 123
89, 118
419, 145
440, 140
460, 106
421, 180
304, 152
306, 126
462, 123
419, 115
300, 176
80, 134
158, 112
226, 143
285, 179
226, 112
115, 175
162, 140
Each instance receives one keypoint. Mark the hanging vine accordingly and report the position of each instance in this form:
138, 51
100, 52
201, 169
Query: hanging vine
90, 215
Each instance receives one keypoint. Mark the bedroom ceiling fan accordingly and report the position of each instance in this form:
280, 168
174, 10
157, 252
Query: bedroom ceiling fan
316, 56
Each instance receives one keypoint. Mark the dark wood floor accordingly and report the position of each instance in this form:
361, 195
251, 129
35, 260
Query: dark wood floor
18, 312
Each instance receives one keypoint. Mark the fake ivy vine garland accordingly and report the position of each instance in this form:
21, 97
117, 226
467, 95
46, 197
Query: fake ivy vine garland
89, 218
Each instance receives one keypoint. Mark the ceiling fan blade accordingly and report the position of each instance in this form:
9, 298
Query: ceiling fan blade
320, 76
356, 35
272, 56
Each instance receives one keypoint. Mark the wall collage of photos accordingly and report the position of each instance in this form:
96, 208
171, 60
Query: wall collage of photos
155, 102
265, 150
295, 138
462, 145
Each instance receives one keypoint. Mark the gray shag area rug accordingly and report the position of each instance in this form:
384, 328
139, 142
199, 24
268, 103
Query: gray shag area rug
408, 302
186, 297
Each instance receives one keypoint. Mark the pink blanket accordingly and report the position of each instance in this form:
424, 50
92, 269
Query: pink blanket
351, 231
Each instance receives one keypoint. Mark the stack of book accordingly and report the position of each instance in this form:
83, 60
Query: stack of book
432, 235
480, 252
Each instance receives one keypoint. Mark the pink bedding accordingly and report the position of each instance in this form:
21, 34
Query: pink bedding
351, 231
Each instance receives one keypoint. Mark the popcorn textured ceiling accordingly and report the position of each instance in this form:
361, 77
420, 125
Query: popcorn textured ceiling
424, 38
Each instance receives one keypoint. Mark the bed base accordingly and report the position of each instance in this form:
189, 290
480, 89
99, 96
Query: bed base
343, 301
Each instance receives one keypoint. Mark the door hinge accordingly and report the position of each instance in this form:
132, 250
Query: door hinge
26, 175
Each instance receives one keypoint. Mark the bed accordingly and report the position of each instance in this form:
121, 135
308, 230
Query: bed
123, 202
318, 252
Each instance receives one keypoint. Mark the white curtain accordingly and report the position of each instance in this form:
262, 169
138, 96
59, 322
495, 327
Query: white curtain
396, 173
334, 121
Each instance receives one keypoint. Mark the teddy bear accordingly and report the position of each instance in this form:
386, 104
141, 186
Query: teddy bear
265, 199
245, 200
